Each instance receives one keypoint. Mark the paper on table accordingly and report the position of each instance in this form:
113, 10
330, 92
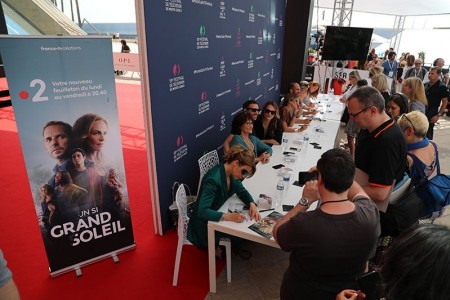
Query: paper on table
265, 226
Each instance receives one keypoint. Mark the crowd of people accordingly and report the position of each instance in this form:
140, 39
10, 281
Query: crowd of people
332, 245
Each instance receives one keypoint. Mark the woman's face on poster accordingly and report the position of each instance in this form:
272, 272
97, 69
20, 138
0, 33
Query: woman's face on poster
97, 135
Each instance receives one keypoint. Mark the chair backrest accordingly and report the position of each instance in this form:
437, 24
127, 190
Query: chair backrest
205, 163
399, 191
183, 219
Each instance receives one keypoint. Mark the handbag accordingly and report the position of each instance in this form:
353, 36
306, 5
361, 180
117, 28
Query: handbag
173, 208
434, 192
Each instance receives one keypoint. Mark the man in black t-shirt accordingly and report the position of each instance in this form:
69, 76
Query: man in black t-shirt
437, 96
380, 154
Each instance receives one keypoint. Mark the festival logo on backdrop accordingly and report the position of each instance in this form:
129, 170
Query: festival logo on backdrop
260, 37
181, 150
202, 40
250, 61
204, 104
251, 15
238, 38
222, 71
223, 125
238, 88
177, 81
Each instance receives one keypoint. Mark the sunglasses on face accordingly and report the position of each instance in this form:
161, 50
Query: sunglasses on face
268, 111
254, 110
245, 173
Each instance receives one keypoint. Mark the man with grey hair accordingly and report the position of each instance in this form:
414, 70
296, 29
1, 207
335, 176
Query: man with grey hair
418, 71
380, 155
444, 78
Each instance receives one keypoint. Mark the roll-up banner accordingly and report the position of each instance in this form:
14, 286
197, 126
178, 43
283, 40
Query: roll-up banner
64, 99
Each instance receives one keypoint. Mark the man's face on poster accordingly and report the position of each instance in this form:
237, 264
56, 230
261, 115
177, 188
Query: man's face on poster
78, 158
56, 141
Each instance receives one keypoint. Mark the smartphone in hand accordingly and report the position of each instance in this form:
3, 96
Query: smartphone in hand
369, 283
303, 177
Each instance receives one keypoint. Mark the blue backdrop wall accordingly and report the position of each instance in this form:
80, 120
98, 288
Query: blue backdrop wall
205, 59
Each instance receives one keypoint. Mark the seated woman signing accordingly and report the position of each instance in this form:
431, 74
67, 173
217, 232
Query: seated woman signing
262, 151
219, 184
288, 113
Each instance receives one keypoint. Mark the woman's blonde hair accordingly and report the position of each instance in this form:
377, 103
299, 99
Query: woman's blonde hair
417, 90
379, 81
375, 70
244, 156
313, 83
416, 120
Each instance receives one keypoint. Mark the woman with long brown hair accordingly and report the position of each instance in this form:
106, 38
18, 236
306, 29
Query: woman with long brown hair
267, 126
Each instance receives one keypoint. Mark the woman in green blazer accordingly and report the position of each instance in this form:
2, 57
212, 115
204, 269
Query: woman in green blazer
219, 184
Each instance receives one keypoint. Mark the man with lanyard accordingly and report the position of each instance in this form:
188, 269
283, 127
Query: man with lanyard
390, 69
380, 155
418, 71
437, 96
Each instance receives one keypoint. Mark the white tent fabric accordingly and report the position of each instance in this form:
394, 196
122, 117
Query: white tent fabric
397, 7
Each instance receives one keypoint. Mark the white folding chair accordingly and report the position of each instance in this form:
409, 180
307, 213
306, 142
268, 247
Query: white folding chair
183, 222
205, 163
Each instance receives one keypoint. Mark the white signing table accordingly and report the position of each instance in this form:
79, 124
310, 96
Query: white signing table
265, 179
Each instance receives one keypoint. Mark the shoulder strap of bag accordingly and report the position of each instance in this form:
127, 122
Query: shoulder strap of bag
436, 153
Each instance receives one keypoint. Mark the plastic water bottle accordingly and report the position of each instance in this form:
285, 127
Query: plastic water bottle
331, 92
284, 142
279, 194
305, 140
286, 180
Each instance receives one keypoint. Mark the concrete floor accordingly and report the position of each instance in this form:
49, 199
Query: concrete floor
260, 276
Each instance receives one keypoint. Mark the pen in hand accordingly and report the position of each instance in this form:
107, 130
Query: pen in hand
266, 210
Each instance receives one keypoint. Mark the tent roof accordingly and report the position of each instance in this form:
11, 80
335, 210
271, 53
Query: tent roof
397, 7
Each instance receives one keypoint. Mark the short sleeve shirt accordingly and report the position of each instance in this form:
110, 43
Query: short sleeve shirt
382, 154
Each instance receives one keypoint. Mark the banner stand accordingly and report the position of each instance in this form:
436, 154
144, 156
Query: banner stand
77, 268
63, 92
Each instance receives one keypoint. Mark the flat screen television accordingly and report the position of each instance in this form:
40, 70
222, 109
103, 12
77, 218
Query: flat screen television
346, 43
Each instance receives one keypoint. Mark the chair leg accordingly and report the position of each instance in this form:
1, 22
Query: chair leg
177, 262
227, 243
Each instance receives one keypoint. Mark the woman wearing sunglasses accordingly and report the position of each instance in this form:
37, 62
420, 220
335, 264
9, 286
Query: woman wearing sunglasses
219, 184
267, 126
244, 122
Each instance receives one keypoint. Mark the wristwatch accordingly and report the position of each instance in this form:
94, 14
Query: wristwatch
304, 202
